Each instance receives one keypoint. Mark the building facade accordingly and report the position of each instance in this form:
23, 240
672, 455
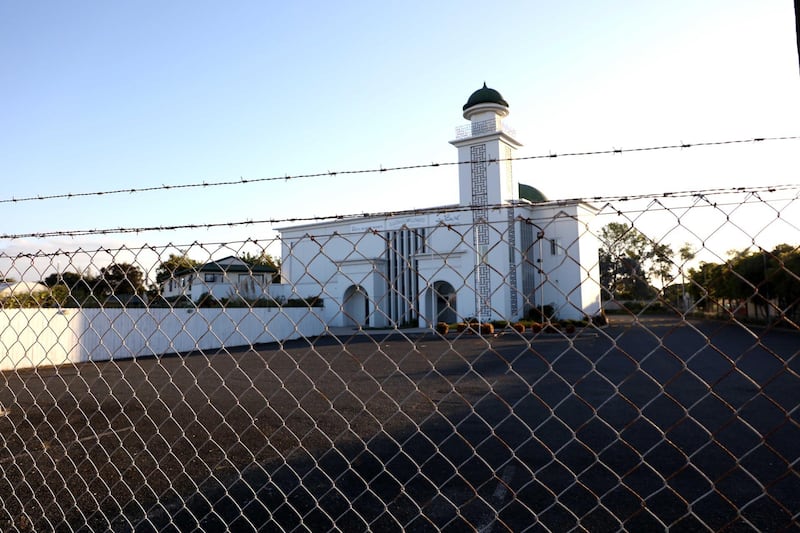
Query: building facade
502, 251
227, 278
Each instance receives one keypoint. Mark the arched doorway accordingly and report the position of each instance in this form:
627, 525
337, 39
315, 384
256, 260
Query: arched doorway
355, 306
445, 302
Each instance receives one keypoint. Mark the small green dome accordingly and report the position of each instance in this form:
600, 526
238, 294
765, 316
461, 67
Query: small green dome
485, 95
532, 194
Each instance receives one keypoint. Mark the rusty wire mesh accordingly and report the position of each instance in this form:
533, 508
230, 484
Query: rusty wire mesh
179, 387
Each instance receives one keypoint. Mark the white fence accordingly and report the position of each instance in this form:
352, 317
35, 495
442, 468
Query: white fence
42, 337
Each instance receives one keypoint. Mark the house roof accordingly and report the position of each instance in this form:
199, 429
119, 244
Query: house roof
228, 264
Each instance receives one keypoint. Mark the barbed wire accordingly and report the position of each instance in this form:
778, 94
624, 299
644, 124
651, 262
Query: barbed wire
332, 173
412, 212
180, 248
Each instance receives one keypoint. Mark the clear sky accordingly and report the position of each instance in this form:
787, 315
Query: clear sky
101, 95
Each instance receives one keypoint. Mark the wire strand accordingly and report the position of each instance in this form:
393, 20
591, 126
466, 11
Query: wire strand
244, 181
409, 212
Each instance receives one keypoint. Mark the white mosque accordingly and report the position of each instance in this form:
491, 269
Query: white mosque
503, 250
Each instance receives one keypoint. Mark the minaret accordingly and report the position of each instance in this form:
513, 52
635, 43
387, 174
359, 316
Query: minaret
488, 144
485, 181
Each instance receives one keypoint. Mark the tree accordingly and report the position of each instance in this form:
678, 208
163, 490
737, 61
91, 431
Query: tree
661, 264
687, 253
61, 295
118, 279
263, 259
708, 281
627, 259
71, 288
69, 279
175, 263
769, 279
785, 278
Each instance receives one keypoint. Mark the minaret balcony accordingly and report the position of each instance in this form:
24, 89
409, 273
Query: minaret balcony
483, 127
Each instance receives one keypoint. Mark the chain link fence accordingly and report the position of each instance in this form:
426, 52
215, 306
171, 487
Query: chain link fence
638, 373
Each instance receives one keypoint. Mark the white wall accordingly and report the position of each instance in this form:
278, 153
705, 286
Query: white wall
41, 337
571, 278
332, 258
35, 337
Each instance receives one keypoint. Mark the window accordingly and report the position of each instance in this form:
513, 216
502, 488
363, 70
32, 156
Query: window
555, 247
210, 278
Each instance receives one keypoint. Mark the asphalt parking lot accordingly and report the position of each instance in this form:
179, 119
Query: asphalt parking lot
641, 425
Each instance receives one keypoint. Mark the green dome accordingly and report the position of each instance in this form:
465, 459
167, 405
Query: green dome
485, 95
532, 194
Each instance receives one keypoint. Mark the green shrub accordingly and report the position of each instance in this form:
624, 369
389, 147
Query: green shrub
35, 300
180, 302
541, 314
208, 300
600, 319
655, 308
633, 307
311, 301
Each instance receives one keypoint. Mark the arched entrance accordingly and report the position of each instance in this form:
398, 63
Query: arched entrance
355, 306
444, 302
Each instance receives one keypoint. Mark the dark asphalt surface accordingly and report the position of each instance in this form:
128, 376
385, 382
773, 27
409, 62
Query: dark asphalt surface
638, 426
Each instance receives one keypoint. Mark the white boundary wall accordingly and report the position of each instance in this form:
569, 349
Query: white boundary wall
42, 337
